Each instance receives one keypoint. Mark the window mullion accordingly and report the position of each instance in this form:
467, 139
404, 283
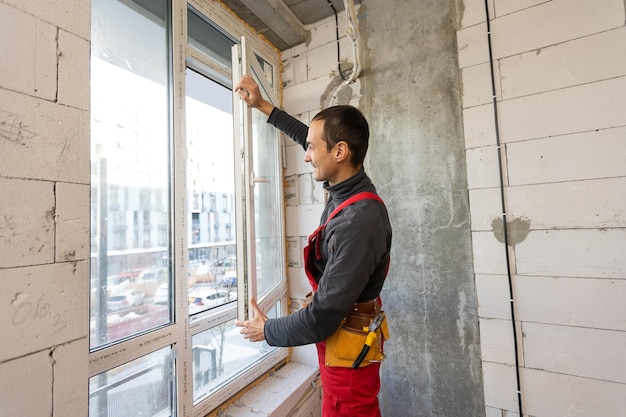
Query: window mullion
239, 116
179, 211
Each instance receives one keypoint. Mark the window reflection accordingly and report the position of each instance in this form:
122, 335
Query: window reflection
143, 387
267, 204
129, 169
211, 184
220, 353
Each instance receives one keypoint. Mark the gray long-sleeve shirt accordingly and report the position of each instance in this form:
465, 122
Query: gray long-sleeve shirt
354, 256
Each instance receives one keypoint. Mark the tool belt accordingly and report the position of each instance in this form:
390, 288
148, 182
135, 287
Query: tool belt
347, 343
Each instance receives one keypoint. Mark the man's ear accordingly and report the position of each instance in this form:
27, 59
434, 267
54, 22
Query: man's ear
342, 151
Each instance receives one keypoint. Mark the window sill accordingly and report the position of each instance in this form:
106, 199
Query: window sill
284, 392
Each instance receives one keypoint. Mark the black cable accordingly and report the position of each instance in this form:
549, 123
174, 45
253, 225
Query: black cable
337, 35
502, 202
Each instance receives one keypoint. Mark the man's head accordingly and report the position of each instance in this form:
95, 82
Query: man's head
337, 143
347, 124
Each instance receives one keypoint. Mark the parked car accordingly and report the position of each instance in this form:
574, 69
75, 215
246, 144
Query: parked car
156, 274
201, 299
116, 284
149, 280
125, 299
162, 295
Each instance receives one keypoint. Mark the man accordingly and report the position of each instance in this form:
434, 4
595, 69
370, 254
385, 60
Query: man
347, 259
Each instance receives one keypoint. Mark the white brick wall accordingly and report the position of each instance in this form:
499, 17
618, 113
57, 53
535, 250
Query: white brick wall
499, 385
47, 307
32, 45
69, 393
566, 111
560, 77
547, 204
557, 395
497, 341
478, 127
46, 144
552, 22
28, 222
566, 302
72, 228
565, 65
578, 351
70, 15
490, 259
23, 378
44, 212
493, 296
573, 253
73, 70
579, 156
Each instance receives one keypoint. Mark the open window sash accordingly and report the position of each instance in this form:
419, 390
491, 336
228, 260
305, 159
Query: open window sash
262, 190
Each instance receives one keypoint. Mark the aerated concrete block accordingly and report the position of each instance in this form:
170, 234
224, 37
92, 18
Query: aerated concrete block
27, 226
26, 385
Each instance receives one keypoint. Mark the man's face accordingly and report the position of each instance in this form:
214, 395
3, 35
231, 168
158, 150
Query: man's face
323, 162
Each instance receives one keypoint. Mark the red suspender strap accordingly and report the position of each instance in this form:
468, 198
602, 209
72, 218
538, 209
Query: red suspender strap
314, 239
357, 197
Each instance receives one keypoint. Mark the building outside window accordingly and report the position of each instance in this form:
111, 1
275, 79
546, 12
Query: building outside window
173, 265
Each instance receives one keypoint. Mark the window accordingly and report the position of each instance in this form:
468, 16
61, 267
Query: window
186, 209
130, 113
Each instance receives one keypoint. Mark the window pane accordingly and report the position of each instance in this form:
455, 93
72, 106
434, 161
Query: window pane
143, 387
267, 203
208, 39
211, 186
221, 353
130, 208
267, 68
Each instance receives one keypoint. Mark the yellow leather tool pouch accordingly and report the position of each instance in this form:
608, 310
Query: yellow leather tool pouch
345, 345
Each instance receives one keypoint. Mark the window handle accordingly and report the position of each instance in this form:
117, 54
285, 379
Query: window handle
255, 180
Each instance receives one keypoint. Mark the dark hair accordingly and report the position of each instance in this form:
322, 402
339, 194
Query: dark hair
346, 123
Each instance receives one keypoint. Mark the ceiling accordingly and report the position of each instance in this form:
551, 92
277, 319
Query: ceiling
282, 22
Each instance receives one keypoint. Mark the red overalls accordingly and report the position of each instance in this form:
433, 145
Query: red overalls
347, 392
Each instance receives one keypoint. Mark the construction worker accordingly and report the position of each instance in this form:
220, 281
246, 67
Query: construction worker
347, 258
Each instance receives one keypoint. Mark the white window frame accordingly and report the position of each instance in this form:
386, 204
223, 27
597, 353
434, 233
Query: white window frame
179, 333
247, 63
